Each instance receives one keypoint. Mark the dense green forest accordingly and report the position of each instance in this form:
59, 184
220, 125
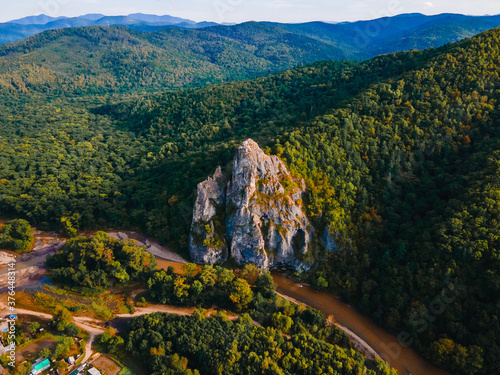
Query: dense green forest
282, 338
400, 155
99, 262
171, 344
101, 60
16, 235
404, 170
411, 170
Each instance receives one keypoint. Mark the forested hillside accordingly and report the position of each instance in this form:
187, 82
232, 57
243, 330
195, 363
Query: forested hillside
98, 60
409, 171
355, 40
366, 39
404, 171
178, 344
400, 155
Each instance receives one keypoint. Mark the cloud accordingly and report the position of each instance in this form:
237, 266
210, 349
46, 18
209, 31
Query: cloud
428, 5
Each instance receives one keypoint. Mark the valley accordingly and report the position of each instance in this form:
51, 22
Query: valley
366, 178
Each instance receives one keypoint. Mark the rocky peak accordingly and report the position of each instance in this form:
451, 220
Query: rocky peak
265, 222
207, 242
251, 165
211, 193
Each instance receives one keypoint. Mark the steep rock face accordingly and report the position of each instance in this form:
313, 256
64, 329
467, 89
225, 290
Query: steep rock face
265, 222
207, 243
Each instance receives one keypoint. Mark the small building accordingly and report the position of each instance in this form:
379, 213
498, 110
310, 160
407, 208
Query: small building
70, 360
93, 371
78, 370
40, 366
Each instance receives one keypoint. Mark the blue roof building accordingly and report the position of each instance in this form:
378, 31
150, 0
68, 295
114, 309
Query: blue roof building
40, 366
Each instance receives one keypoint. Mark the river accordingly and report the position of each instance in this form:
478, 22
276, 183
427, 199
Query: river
386, 345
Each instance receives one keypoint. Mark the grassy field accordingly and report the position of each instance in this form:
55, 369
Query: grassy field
126, 371
128, 368
100, 306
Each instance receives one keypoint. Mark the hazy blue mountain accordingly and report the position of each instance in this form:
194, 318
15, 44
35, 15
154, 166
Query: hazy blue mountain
151, 18
117, 21
24, 27
350, 40
365, 39
67, 22
41, 19
93, 16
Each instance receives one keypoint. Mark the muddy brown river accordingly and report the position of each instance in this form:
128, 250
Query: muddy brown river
386, 345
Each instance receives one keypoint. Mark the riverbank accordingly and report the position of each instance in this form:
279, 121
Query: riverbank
375, 337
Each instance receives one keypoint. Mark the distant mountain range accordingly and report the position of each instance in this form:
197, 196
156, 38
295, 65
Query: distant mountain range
353, 40
24, 27
139, 54
367, 39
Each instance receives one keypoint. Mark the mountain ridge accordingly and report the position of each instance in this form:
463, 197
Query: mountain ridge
358, 40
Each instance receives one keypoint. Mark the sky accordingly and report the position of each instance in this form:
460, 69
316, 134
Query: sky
247, 10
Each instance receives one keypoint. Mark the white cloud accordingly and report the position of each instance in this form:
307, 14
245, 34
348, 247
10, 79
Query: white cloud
428, 5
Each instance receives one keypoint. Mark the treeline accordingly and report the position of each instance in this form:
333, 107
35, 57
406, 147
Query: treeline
16, 235
249, 291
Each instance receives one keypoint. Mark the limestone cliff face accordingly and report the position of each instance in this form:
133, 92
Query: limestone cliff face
265, 221
207, 243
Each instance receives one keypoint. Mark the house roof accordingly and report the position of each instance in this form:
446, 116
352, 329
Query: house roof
94, 371
40, 366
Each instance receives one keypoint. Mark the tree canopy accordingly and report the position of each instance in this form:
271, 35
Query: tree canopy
99, 261
16, 235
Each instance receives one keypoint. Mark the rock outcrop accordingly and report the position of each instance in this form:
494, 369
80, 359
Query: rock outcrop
207, 242
265, 222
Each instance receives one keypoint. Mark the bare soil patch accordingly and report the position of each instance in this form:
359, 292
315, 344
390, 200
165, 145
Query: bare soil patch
106, 364
35, 349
